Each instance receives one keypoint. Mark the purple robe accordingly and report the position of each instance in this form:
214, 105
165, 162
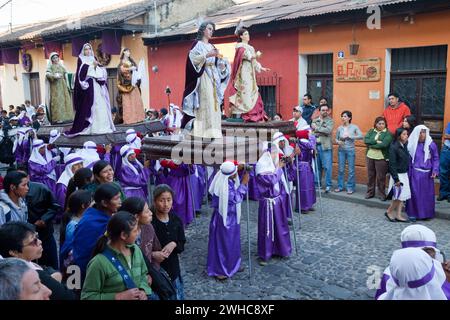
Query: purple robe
386, 277
273, 228
224, 246
134, 185
23, 152
306, 173
39, 172
198, 184
253, 191
61, 191
179, 180
422, 202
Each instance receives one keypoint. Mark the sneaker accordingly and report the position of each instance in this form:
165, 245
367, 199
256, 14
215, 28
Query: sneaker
350, 191
290, 222
221, 278
262, 263
327, 190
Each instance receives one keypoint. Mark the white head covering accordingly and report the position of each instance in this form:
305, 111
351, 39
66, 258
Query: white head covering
125, 151
277, 138
36, 157
419, 236
174, 116
87, 59
299, 108
89, 154
133, 140
417, 276
265, 164
19, 139
22, 115
50, 57
413, 141
54, 135
70, 161
219, 188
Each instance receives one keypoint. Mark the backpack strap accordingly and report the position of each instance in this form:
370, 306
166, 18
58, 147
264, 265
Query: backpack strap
127, 280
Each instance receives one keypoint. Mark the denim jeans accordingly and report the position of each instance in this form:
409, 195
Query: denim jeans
325, 162
346, 155
444, 172
179, 287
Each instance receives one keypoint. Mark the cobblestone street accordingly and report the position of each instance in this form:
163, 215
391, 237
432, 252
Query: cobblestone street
334, 254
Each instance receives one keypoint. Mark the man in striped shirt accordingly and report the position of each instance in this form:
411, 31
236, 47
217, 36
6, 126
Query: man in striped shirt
395, 113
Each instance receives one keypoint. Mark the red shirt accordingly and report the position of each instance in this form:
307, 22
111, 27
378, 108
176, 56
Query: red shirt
395, 117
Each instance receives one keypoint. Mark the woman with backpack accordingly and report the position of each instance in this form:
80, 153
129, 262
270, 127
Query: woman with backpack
117, 270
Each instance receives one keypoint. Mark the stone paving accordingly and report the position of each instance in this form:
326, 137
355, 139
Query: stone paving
335, 252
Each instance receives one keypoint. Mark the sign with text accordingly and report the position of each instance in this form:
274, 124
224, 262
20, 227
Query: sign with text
354, 70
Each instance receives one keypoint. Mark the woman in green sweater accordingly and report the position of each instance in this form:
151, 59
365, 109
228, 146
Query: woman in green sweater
378, 141
118, 270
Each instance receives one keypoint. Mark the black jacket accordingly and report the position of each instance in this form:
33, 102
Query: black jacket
399, 159
42, 205
166, 233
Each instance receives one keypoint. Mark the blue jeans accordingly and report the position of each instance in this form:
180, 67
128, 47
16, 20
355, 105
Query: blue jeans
346, 155
179, 287
444, 173
325, 162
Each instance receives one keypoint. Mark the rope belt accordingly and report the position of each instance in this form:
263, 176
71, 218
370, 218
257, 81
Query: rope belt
269, 216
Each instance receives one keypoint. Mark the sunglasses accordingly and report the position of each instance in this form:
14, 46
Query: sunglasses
34, 242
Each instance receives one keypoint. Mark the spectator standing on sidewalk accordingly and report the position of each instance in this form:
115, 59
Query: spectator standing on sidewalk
323, 129
395, 112
444, 168
378, 141
346, 135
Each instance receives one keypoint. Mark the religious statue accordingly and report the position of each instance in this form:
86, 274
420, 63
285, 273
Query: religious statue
245, 100
130, 105
91, 97
58, 99
203, 95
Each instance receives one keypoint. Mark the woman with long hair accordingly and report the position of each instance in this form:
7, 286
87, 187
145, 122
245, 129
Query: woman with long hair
93, 223
117, 270
399, 160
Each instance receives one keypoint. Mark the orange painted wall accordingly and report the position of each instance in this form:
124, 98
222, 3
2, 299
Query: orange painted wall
427, 30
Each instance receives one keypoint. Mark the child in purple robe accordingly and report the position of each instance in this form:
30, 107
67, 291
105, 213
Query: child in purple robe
42, 165
133, 176
417, 236
306, 144
224, 246
198, 184
73, 163
423, 169
273, 228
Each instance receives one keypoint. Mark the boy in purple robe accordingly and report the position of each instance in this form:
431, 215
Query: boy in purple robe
273, 228
178, 178
22, 145
424, 168
73, 163
198, 184
133, 176
42, 164
306, 143
287, 154
417, 236
224, 246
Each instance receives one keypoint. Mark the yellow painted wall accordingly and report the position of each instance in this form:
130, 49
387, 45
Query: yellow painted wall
13, 91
